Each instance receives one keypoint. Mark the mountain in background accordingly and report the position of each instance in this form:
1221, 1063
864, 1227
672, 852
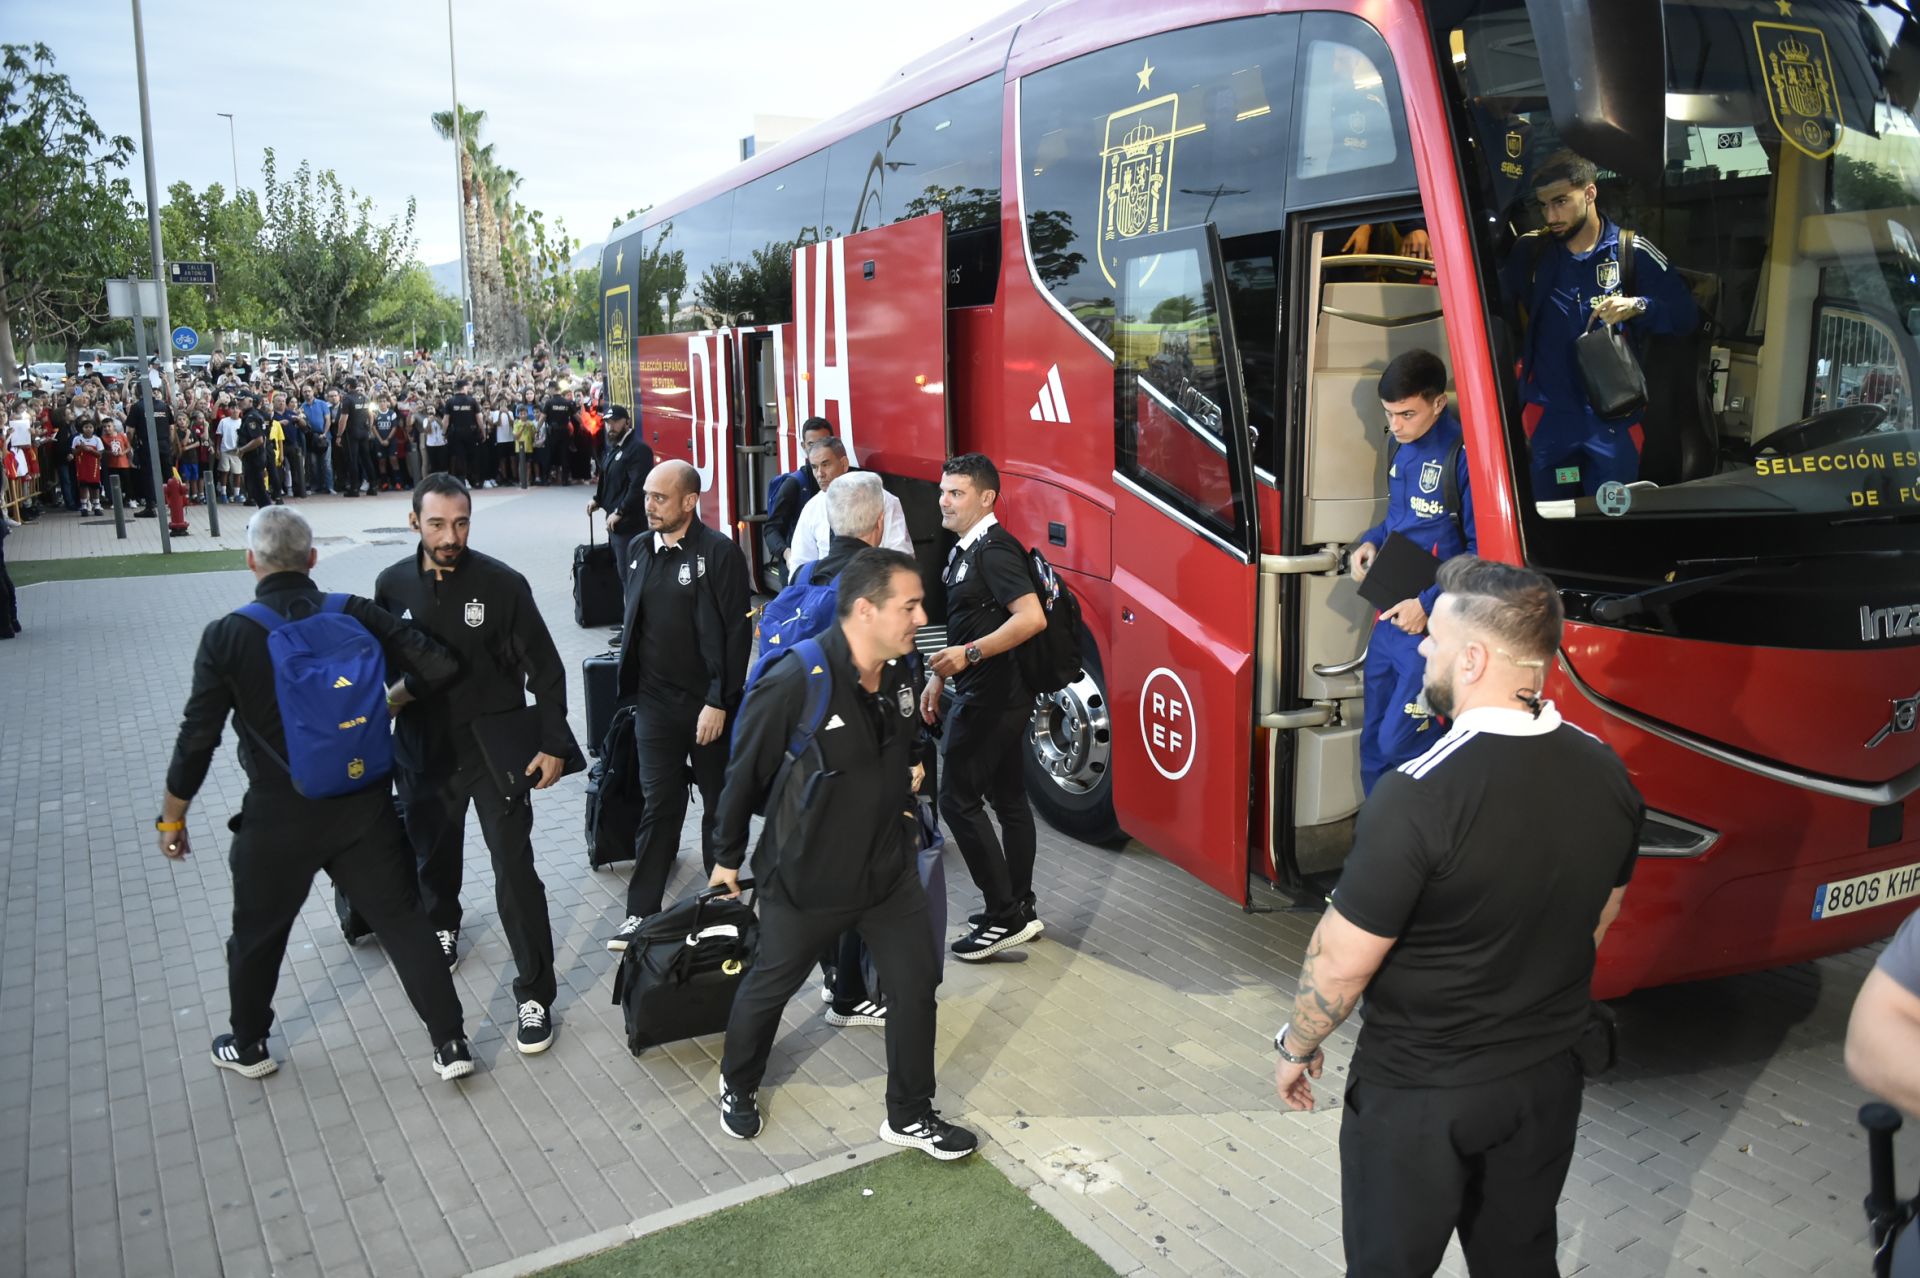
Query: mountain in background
446, 276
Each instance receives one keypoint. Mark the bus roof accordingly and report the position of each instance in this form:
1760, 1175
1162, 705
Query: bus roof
960, 61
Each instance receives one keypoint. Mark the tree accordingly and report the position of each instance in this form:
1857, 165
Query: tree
325, 262
211, 227
584, 328
484, 186
67, 220
548, 290
412, 308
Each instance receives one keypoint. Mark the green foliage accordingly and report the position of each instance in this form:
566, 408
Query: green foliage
547, 289
68, 220
413, 308
757, 291
325, 261
214, 226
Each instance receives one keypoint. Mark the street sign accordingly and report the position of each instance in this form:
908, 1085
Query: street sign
185, 339
122, 304
190, 272
469, 334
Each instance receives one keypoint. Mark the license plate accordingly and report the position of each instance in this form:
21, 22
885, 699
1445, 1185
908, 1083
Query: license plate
1865, 892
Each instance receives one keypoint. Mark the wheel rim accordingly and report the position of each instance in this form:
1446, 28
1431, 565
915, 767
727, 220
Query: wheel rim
1071, 736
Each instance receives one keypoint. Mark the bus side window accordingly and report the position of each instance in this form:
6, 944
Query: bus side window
1350, 127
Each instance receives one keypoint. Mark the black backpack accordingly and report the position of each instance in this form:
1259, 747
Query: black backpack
1051, 660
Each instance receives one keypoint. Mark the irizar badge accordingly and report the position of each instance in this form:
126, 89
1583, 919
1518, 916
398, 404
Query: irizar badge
476, 613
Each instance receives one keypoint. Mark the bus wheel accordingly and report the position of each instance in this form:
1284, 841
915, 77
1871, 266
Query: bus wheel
1069, 758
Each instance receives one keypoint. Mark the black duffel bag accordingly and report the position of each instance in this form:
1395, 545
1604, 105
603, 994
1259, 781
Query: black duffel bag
615, 801
681, 970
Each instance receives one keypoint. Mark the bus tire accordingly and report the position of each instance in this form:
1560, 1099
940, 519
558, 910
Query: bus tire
1067, 756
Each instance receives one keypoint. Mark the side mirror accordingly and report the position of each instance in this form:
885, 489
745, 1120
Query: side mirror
1605, 67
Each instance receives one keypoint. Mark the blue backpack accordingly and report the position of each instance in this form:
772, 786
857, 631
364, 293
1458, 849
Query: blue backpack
801, 611
330, 678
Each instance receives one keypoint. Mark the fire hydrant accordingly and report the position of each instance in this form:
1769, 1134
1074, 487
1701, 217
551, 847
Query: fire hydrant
175, 493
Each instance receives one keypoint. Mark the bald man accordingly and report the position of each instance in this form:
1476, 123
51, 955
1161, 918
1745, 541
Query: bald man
683, 660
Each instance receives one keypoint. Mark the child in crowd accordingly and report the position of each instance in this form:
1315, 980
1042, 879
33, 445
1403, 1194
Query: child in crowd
87, 447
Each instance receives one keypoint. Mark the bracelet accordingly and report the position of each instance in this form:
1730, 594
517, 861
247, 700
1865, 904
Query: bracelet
1280, 1046
168, 827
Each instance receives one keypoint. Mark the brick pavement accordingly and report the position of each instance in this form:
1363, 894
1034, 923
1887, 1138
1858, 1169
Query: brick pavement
1120, 1068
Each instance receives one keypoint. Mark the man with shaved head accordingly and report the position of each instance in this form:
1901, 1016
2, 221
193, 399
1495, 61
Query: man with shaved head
683, 659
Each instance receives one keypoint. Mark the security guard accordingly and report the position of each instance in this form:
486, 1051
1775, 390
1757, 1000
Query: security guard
253, 450
484, 611
282, 839
683, 657
1427, 439
845, 857
620, 492
1569, 275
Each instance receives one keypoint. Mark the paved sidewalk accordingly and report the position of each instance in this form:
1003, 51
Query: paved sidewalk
1120, 1068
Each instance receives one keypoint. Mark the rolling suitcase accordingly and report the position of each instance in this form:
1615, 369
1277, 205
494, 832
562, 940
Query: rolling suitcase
600, 676
679, 975
597, 598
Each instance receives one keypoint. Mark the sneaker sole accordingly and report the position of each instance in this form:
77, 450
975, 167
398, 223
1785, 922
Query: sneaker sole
534, 1049
1025, 934
457, 1070
260, 1070
924, 1146
617, 946
835, 1018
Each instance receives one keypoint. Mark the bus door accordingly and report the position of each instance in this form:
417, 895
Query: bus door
870, 343
1361, 310
1184, 550
711, 359
763, 440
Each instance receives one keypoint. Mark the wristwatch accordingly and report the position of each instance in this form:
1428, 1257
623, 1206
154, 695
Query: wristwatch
1639, 306
973, 654
1280, 1046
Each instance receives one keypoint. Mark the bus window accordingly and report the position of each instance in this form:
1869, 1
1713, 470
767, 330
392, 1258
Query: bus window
856, 176
1779, 253
695, 242
771, 216
1350, 130
1178, 129
944, 156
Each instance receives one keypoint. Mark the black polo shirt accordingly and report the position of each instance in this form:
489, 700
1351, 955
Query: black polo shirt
669, 636
462, 415
984, 581
357, 416
1489, 857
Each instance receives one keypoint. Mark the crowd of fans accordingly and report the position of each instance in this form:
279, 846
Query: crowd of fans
236, 430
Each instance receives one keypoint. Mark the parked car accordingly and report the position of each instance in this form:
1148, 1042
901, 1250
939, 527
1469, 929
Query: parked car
198, 363
52, 376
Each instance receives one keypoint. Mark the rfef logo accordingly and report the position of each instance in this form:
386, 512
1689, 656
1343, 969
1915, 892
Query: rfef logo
1166, 724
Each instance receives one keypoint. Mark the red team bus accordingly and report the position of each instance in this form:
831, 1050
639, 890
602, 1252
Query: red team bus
1151, 258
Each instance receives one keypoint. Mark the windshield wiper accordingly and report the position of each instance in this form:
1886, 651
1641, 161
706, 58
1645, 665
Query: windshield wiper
1657, 598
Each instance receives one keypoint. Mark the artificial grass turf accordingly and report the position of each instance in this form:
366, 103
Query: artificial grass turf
26, 572
925, 1218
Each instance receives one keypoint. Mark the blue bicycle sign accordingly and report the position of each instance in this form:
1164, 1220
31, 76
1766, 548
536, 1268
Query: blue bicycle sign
185, 339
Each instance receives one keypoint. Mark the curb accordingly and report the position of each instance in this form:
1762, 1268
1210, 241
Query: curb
580, 1248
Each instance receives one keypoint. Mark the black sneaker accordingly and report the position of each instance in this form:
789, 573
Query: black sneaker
536, 1028
739, 1114
988, 939
933, 1135
452, 1060
865, 1012
248, 1060
449, 939
628, 930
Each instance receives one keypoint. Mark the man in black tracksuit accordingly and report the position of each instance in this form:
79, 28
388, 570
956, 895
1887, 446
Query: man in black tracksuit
621, 492
838, 850
281, 838
253, 451
683, 658
563, 418
356, 429
484, 611
461, 413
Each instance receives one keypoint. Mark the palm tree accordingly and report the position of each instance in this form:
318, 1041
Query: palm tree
485, 189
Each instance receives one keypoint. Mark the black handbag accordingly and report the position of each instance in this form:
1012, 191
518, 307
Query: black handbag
1616, 387
680, 972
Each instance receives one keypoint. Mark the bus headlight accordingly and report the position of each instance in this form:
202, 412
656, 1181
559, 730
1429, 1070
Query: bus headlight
1664, 835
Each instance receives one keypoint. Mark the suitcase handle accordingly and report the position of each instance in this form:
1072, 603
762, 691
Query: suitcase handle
590, 530
709, 895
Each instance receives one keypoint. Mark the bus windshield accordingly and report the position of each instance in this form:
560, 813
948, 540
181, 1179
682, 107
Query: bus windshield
1762, 287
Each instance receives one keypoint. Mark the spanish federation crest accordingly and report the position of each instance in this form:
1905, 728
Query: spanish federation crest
686, 574
1429, 476
476, 613
1608, 275
1136, 174
905, 697
1798, 72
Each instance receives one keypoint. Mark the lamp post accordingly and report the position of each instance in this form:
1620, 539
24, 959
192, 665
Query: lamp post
459, 183
235, 148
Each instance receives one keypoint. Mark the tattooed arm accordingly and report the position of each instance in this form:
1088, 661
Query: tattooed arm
1341, 959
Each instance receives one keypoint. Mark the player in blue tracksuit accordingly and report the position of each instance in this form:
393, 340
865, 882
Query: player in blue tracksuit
1564, 276
1413, 390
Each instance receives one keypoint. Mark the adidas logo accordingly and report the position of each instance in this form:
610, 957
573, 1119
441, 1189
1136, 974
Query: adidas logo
835, 722
407, 615
1052, 404
343, 682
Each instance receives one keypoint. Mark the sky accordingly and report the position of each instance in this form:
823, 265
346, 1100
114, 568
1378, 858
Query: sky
602, 107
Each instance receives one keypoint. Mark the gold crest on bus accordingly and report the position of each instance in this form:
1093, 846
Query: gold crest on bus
619, 307
1798, 72
1136, 173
